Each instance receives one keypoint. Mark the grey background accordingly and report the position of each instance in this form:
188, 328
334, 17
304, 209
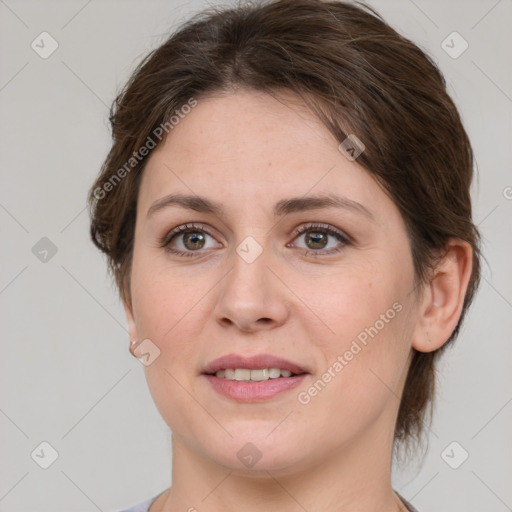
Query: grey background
66, 375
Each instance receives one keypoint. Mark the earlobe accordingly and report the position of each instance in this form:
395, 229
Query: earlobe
443, 297
132, 329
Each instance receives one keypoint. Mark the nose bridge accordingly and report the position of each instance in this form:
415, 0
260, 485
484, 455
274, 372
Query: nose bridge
249, 275
251, 295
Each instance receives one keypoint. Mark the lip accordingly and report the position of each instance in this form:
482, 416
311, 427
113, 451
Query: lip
253, 391
254, 362
250, 392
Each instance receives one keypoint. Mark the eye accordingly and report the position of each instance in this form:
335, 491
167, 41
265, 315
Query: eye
185, 240
322, 239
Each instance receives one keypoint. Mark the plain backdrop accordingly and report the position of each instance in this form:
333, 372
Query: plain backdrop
67, 378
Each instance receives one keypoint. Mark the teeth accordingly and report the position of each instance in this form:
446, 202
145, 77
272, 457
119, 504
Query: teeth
274, 373
244, 374
260, 374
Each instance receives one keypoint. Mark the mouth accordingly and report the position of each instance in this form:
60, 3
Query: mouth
257, 375
258, 367
255, 378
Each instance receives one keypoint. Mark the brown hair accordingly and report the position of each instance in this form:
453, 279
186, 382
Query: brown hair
359, 77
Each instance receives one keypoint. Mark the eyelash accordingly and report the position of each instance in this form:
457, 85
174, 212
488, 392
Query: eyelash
314, 227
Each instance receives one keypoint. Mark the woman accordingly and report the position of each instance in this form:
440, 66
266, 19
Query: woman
286, 212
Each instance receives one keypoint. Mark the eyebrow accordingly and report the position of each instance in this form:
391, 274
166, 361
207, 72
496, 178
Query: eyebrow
281, 208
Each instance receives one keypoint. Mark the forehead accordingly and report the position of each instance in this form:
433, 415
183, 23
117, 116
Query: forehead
250, 146
226, 128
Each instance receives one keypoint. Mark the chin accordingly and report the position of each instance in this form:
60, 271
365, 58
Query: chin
255, 453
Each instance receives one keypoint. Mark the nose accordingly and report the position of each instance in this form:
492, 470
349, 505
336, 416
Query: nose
252, 297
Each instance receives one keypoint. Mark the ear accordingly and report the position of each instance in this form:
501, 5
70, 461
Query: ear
443, 297
132, 329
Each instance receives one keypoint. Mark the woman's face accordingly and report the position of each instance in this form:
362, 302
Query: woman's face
336, 300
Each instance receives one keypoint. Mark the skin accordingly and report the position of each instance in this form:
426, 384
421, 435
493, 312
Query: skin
247, 150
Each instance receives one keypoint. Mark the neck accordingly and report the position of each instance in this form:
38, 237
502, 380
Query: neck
355, 477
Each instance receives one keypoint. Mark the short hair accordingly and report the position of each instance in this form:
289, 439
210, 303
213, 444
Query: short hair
358, 76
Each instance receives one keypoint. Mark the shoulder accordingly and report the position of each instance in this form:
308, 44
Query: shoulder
143, 506
410, 507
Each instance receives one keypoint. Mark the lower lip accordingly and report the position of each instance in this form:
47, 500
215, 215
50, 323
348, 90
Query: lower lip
254, 391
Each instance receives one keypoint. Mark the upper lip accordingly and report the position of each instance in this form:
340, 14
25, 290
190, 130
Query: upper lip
254, 362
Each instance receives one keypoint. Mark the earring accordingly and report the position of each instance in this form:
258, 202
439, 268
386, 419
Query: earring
133, 347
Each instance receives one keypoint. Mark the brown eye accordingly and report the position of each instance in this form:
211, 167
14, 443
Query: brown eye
193, 240
316, 240
187, 240
321, 240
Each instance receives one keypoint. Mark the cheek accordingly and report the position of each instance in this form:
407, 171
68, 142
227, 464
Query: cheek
356, 306
167, 311
366, 348
362, 377
170, 307
164, 299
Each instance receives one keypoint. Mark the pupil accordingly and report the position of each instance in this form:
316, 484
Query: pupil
317, 238
196, 239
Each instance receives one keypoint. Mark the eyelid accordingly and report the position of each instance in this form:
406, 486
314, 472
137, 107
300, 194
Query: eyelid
309, 226
182, 228
303, 228
343, 239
